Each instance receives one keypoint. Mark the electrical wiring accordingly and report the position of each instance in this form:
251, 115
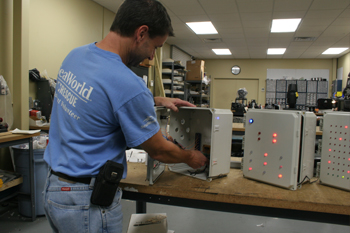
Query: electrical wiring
306, 177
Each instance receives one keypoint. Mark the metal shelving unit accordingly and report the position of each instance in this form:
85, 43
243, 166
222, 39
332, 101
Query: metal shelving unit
199, 98
176, 71
309, 92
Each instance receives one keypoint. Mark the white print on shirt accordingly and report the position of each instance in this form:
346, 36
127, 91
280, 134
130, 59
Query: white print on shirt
149, 120
70, 86
67, 110
71, 90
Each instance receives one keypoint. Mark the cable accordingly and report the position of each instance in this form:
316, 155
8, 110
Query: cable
198, 171
306, 177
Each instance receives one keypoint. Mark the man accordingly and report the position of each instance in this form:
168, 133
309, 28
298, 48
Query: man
100, 108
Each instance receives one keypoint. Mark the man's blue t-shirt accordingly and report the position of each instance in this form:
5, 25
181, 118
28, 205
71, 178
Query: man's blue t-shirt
100, 108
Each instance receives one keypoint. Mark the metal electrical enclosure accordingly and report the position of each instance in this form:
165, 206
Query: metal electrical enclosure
208, 130
279, 146
335, 157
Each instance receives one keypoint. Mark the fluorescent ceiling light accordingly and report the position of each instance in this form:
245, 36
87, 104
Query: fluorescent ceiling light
276, 51
334, 50
222, 51
285, 25
202, 28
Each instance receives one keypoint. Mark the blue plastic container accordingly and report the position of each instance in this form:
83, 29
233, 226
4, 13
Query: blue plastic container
21, 157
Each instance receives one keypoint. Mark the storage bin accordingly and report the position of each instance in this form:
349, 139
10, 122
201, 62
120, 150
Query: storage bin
21, 158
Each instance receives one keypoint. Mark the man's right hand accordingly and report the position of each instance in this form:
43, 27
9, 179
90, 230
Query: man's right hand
165, 151
197, 159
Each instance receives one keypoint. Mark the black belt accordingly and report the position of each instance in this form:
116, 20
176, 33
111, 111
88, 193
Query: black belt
85, 180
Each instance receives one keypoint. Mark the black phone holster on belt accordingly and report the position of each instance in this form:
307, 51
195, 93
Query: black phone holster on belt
106, 183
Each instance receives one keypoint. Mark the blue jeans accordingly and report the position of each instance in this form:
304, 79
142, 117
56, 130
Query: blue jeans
68, 208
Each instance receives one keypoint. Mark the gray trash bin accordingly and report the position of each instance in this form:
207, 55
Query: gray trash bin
21, 157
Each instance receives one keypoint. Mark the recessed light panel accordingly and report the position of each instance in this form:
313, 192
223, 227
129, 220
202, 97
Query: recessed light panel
277, 51
334, 50
222, 51
202, 28
284, 25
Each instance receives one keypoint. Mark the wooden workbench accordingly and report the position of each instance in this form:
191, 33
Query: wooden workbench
14, 137
238, 194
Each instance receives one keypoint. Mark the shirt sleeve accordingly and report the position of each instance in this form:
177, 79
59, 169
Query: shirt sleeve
138, 119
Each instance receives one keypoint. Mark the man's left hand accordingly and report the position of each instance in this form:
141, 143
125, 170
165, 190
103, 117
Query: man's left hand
172, 103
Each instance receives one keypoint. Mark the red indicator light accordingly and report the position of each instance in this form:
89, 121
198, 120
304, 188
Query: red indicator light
280, 176
340, 139
281, 166
346, 127
250, 169
330, 150
265, 154
265, 163
348, 172
274, 135
329, 161
274, 140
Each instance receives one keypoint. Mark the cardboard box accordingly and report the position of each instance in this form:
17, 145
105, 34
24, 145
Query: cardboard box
147, 62
195, 70
148, 223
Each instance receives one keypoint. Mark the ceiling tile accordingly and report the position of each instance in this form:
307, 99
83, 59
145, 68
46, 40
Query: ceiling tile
172, 3
344, 42
341, 22
257, 23
316, 22
218, 6
295, 5
255, 6
227, 25
256, 32
233, 18
244, 26
190, 9
321, 14
193, 18
329, 5
256, 15
337, 30
345, 13
288, 14
299, 45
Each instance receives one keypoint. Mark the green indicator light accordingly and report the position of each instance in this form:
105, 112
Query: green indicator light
343, 177
332, 174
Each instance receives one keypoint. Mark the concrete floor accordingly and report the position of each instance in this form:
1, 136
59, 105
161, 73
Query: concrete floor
181, 220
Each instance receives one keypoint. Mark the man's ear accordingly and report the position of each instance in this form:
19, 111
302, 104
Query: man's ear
141, 32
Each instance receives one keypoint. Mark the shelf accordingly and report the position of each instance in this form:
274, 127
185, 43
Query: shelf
11, 184
171, 85
194, 81
170, 64
198, 95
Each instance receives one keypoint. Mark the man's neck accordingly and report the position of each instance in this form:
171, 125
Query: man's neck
115, 43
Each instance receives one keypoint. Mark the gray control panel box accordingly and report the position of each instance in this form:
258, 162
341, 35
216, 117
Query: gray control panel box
279, 147
335, 156
208, 130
